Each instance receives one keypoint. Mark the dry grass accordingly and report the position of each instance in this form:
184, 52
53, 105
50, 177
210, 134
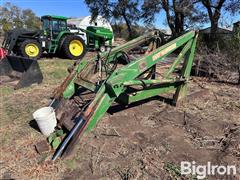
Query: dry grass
18, 156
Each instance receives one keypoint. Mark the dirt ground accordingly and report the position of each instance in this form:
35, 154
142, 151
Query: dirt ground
146, 140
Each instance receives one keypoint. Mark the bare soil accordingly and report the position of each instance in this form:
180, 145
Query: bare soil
146, 140
142, 140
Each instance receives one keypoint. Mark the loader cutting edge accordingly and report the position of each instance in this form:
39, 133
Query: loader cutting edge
19, 72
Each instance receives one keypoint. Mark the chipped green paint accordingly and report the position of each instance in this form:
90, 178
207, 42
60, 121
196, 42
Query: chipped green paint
114, 88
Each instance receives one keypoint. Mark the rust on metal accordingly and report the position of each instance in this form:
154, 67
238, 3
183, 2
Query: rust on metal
142, 66
164, 52
42, 147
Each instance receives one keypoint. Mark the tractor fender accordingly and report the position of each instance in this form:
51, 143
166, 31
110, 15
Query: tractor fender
61, 37
61, 42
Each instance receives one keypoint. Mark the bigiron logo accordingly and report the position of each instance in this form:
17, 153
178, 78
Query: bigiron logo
202, 171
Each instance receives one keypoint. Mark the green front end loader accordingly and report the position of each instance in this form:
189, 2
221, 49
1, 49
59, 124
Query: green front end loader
121, 76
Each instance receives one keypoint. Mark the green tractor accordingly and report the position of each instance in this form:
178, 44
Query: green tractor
54, 38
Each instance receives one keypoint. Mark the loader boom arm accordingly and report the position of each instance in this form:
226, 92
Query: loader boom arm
120, 85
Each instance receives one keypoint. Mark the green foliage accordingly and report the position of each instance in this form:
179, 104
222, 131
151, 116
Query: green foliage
230, 46
219, 54
121, 31
71, 164
60, 132
52, 137
181, 15
56, 142
173, 169
5, 90
175, 172
12, 16
30, 20
55, 138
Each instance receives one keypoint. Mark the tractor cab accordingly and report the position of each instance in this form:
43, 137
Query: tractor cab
53, 25
57, 38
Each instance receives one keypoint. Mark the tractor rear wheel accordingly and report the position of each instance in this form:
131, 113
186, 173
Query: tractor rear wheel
73, 47
30, 48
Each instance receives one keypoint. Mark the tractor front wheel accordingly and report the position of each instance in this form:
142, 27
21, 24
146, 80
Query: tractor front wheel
31, 48
73, 47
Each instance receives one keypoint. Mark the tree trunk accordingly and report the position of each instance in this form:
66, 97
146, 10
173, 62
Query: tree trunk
238, 74
214, 22
182, 22
128, 23
214, 16
213, 30
172, 27
170, 24
179, 19
179, 23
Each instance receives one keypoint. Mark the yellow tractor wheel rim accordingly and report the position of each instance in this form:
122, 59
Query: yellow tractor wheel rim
32, 50
76, 47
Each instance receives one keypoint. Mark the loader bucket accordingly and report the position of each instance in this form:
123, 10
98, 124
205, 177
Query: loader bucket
19, 72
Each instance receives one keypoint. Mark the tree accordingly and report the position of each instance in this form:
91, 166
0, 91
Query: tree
215, 7
214, 12
9, 16
30, 20
12, 16
233, 46
121, 10
179, 13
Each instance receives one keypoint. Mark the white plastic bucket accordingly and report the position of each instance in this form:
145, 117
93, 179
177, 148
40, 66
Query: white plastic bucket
46, 120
